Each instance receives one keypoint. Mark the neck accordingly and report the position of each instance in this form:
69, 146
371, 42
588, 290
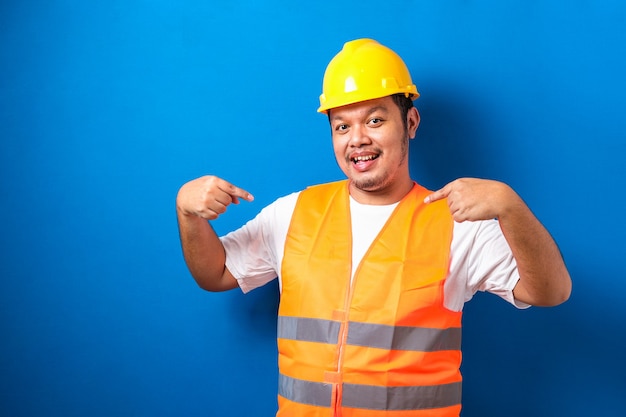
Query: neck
384, 196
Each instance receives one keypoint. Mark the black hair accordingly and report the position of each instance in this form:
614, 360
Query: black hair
405, 104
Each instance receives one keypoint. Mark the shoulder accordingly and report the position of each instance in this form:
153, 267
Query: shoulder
472, 233
480, 260
274, 218
281, 208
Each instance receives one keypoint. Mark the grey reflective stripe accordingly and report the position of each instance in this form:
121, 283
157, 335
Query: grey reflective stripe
371, 397
403, 337
309, 330
421, 339
304, 392
401, 398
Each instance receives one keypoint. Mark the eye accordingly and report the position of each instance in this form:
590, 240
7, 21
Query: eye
341, 127
375, 121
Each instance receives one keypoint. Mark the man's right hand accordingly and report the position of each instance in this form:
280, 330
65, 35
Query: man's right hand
208, 197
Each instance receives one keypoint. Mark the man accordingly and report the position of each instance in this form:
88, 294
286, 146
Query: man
373, 270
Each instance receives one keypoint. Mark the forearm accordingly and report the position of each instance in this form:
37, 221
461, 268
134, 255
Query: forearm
204, 253
544, 279
198, 201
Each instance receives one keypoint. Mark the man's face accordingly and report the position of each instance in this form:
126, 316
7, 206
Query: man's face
371, 145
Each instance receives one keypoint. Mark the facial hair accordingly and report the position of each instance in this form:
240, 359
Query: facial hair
384, 178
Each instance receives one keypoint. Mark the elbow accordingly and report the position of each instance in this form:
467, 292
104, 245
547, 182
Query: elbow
560, 293
215, 284
558, 298
545, 292
565, 289
204, 285
565, 293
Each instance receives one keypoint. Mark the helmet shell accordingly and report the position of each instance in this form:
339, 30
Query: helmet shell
364, 70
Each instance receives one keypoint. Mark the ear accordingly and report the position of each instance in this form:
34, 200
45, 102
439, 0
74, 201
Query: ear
412, 121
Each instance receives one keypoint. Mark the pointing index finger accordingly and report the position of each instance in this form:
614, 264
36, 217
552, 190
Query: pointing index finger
236, 193
437, 195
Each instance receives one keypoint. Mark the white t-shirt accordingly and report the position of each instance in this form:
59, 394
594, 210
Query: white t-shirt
480, 257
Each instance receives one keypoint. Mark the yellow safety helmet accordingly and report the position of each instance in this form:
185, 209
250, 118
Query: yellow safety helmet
364, 70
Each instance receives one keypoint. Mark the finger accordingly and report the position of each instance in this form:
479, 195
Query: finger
458, 215
235, 192
438, 195
220, 197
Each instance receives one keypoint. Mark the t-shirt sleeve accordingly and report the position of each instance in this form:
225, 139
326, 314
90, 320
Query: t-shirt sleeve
254, 251
483, 260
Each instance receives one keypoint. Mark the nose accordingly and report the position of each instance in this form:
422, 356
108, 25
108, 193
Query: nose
359, 136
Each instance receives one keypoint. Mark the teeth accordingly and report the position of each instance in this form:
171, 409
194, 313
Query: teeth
364, 158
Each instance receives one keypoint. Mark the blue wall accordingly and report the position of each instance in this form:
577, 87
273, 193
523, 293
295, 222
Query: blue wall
106, 108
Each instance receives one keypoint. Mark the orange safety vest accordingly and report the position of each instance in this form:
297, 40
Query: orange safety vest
381, 343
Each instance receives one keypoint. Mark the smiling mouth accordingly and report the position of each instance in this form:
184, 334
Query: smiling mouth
364, 158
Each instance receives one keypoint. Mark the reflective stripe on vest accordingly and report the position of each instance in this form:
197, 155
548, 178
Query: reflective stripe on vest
379, 343
372, 335
372, 397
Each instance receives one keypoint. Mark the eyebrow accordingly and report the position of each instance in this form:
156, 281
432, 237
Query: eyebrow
369, 112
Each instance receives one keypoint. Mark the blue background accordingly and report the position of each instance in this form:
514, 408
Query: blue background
107, 108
